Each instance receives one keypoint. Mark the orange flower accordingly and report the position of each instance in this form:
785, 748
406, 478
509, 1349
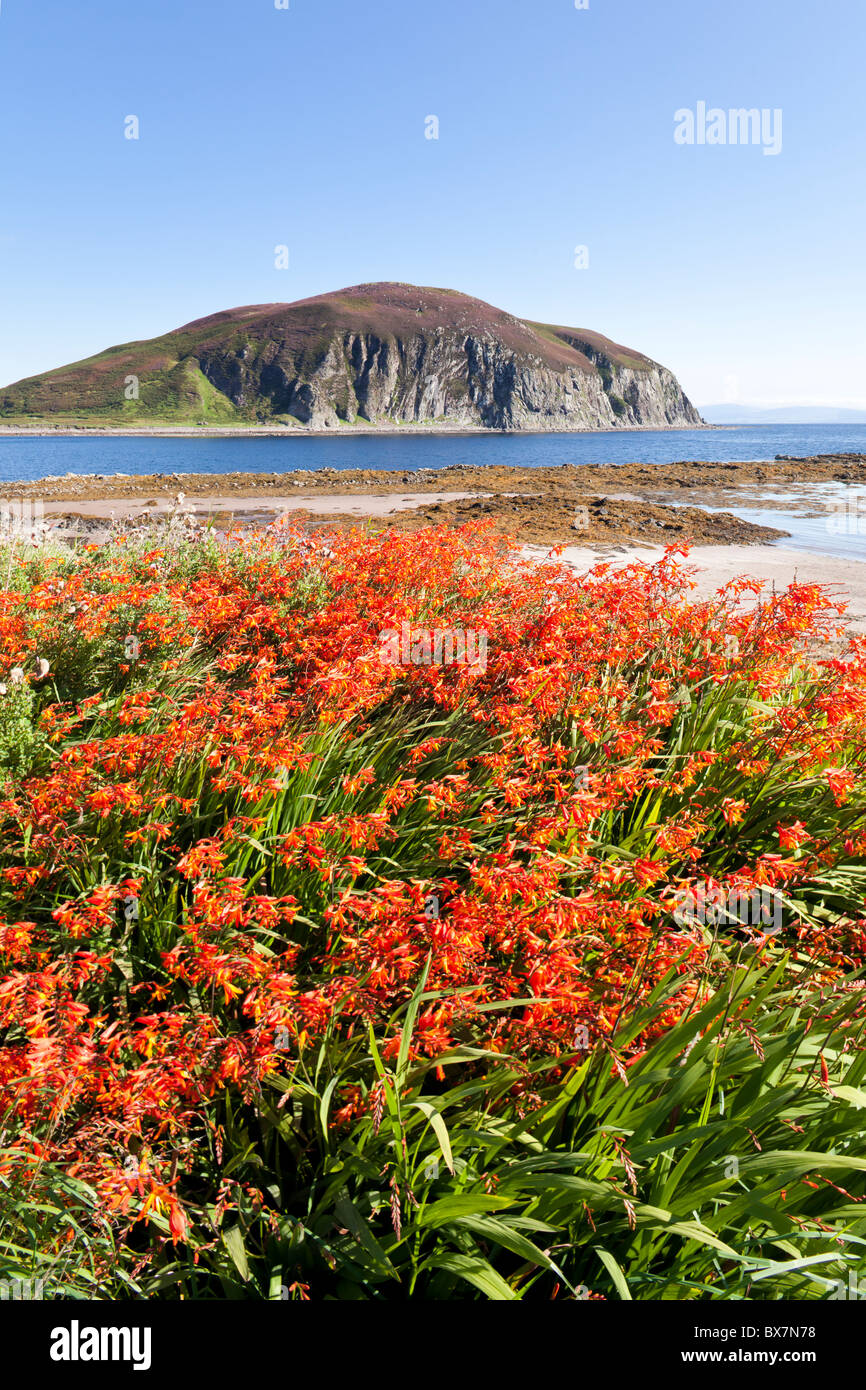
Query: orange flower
177, 1223
792, 836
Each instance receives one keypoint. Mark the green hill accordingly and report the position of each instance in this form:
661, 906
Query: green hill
372, 354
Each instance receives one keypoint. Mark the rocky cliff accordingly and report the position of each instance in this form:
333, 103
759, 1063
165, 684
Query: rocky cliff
381, 354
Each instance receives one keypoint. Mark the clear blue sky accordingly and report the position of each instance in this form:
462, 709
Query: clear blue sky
743, 272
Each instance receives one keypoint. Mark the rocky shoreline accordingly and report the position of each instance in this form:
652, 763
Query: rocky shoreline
645, 504
694, 475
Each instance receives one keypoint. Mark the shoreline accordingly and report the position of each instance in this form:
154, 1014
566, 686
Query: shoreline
45, 431
528, 516
710, 482
739, 508
695, 503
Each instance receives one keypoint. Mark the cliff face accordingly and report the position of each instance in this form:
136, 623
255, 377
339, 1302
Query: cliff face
376, 354
447, 377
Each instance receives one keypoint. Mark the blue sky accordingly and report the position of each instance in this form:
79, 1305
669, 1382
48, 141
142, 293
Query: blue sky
259, 127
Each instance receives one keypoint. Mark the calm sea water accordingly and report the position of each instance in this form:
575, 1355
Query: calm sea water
832, 521
38, 457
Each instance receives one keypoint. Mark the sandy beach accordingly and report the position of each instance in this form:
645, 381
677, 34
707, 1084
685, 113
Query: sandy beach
694, 502
534, 515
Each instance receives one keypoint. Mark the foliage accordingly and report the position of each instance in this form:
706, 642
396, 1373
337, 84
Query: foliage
326, 977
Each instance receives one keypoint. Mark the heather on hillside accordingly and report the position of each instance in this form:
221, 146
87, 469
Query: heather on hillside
379, 921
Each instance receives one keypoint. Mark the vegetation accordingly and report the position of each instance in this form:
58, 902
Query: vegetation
323, 977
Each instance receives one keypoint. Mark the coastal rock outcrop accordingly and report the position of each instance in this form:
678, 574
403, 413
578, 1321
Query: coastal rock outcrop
383, 354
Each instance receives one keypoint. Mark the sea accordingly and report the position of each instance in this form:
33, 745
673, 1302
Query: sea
839, 529
38, 456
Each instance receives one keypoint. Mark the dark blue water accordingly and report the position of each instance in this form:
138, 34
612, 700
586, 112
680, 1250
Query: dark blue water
43, 455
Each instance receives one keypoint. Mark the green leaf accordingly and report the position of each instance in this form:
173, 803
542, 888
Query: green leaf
462, 1204
438, 1126
693, 1230
354, 1221
409, 1027
478, 1272
505, 1235
791, 1266
325, 1104
615, 1273
234, 1243
796, 1162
